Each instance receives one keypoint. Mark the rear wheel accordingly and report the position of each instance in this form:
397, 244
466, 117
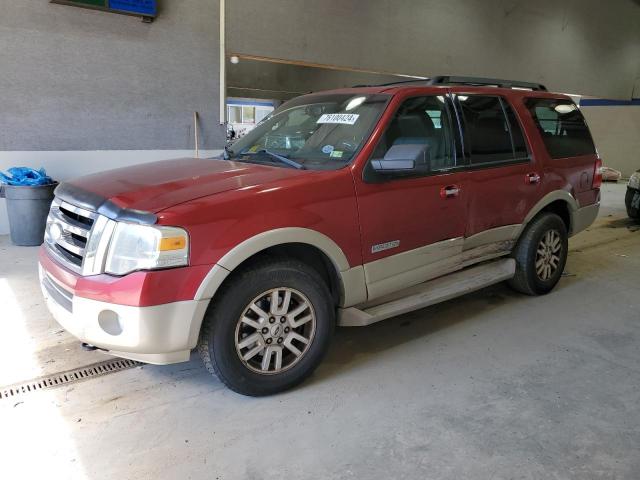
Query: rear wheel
541, 254
269, 328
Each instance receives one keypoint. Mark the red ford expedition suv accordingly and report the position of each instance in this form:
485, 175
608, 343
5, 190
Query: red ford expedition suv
344, 207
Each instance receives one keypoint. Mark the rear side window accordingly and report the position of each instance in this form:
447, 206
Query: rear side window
562, 126
492, 132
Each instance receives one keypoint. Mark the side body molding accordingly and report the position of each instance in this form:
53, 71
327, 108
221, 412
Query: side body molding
351, 279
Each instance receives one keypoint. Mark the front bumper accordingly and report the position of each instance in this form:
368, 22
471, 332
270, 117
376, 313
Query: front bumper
159, 334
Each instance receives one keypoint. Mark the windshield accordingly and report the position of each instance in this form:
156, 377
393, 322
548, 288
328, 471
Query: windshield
316, 132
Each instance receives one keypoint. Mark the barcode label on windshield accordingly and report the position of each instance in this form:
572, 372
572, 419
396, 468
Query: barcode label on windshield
341, 118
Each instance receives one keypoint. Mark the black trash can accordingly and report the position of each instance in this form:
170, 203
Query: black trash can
28, 207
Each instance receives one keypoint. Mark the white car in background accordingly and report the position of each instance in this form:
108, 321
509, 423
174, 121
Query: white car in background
632, 198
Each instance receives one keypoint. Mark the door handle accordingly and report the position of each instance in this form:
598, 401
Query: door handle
450, 191
532, 178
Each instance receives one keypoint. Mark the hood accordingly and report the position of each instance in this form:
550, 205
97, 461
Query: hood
152, 187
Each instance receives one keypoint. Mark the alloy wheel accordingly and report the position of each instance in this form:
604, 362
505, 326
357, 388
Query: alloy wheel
275, 330
548, 255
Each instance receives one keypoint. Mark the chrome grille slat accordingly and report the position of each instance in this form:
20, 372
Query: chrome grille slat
69, 243
70, 225
68, 257
68, 236
79, 211
61, 259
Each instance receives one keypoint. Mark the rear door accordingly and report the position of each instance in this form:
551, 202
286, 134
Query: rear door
412, 227
569, 156
502, 183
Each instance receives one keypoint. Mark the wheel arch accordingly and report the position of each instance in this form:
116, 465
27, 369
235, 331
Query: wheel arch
309, 246
560, 202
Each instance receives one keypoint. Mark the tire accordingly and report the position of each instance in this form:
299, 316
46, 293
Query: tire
632, 203
532, 248
231, 325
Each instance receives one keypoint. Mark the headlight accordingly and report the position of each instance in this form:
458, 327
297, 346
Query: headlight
634, 181
143, 247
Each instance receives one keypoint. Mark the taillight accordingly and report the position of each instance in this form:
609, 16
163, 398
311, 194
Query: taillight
597, 174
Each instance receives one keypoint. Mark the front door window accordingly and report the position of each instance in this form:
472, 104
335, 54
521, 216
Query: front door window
422, 121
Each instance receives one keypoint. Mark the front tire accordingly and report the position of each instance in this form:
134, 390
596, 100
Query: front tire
540, 255
269, 328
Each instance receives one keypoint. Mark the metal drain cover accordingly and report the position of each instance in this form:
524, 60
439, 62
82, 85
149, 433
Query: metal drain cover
65, 378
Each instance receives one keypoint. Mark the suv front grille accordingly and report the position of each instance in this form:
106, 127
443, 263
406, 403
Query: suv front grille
73, 237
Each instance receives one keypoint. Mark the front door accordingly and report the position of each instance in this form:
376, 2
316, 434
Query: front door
412, 226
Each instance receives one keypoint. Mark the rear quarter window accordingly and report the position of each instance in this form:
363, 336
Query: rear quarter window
562, 127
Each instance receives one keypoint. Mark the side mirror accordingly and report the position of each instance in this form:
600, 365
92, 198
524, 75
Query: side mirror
404, 158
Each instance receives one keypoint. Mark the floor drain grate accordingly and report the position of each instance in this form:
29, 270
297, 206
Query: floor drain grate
65, 378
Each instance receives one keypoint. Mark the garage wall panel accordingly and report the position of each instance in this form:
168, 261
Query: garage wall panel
616, 133
577, 46
76, 79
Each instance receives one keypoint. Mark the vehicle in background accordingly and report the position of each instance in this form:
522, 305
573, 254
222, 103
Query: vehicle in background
340, 208
632, 198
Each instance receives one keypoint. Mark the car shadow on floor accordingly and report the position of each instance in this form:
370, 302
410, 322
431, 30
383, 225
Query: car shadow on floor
354, 346
628, 223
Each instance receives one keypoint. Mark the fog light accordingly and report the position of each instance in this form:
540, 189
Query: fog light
109, 321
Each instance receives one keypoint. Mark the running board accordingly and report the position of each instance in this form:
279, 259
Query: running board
429, 293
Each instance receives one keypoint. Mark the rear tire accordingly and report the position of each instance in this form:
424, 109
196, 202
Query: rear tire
540, 255
269, 328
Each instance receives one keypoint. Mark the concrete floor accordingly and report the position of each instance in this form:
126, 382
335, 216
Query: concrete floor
494, 385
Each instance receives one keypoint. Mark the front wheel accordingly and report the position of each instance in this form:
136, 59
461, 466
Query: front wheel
269, 328
541, 254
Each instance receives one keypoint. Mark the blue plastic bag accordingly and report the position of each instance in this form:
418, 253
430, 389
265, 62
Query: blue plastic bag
25, 176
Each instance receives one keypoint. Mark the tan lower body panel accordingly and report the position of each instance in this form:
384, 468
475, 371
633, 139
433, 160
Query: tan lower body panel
494, 235
397, 272
584, 217
354, 287
405, 269
430, 293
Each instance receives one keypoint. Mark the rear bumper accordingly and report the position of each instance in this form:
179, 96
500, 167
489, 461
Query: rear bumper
159, 334
584, 217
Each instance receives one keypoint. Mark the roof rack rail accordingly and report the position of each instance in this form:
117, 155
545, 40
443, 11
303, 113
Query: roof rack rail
479, 81
425, 81
473, 81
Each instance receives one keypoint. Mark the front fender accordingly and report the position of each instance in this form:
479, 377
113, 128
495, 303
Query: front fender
352, 279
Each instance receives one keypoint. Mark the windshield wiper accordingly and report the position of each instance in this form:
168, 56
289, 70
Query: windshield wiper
281, 158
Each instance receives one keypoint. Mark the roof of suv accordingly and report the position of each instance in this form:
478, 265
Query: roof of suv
459, 84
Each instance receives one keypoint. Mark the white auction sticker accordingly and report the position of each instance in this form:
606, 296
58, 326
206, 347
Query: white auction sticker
339, 118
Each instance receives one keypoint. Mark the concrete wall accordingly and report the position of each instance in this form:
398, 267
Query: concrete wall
258, 79
83, 91
76, 79
616, 132
588, 47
